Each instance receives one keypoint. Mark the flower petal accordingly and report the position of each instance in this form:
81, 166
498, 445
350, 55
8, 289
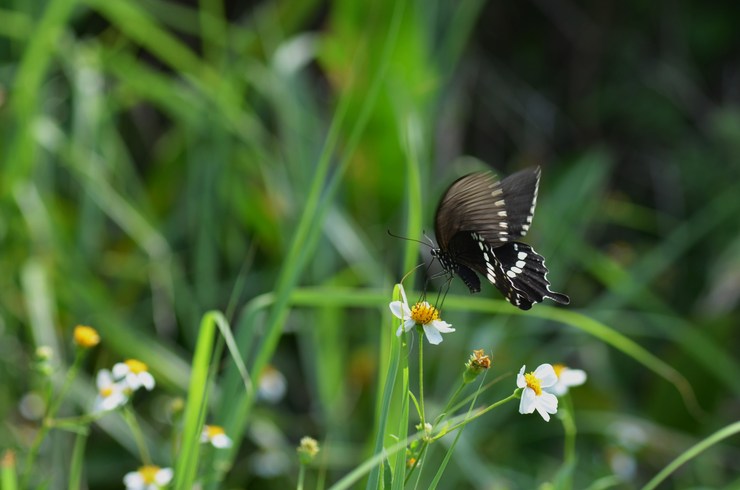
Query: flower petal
558, 389
221, 441
164, 476
397, 309
409, 324
147, 380
542, 412
433, 335
403, 295
573, 377
133, 479
548, 402
520, 381
103, 378
528, 401
442, 326
120, 370
546, 374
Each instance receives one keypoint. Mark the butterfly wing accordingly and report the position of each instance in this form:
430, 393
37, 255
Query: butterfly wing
521, 276
497, 210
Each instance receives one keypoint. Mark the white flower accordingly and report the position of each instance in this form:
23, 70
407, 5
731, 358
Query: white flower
134, 373
111, 395
272, 385
216, 436
533, 396
567, 377
148, 477
422, 314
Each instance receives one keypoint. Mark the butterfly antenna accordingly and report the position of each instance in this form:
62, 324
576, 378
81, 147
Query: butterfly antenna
431, 242
409, 239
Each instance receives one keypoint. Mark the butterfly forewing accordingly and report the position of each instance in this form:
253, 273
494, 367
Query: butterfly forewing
499, 211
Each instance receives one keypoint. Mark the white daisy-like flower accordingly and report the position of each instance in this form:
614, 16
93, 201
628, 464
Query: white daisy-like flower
216, 436
134, 373
422, 314
111, 394
534, 397
567, 377
149, 477
272, 385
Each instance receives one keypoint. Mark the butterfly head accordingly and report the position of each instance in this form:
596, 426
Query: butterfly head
444, 260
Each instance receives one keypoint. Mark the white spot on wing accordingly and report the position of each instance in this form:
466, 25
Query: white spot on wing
520, 264
516, 270
499, 203
521, 255
502, 214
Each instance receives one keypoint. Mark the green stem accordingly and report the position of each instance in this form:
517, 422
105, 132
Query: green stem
130, 418
693, 452
421, 380
48, 420
467, 420
301, 477
569, 450
450, 402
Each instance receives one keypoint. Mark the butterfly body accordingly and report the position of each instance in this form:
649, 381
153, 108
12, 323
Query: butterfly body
477, 223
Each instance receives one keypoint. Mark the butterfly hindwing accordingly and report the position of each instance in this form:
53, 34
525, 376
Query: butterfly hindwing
522, 276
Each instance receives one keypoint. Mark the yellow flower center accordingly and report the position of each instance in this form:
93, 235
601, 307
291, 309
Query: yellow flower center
136, 367
534, 383
424, 313
106, 391
86, 336
149, 473
214, 430
559, 368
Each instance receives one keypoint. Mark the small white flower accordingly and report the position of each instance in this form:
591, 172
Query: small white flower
272, 385
533, 396
111, 394
148, 477
216, 436
567, 377
134, 373
422, 314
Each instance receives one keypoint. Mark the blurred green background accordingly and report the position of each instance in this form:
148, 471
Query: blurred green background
161, 159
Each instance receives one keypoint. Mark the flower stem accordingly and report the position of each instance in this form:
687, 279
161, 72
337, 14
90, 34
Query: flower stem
569, 427
421, 380
513, 396
130, 418
301, 476
450, 403
48, 420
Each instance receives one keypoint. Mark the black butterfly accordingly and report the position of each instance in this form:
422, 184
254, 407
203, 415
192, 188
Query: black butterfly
476, 223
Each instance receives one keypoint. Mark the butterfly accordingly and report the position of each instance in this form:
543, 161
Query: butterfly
477, 223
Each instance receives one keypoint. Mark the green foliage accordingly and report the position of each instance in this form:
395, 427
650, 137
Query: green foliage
165, 162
